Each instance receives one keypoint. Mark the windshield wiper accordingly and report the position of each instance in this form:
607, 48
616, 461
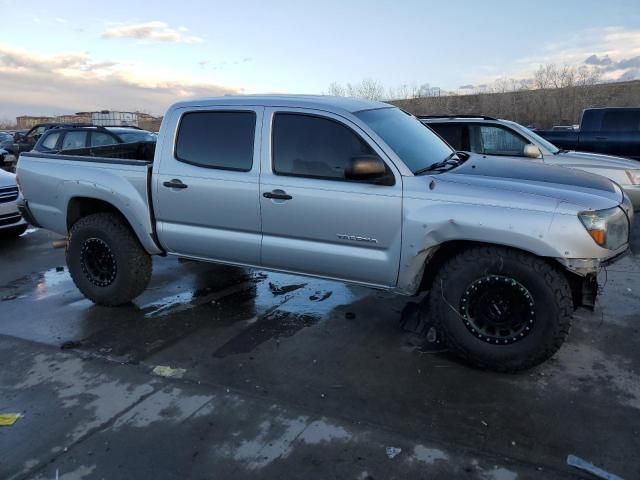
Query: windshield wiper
561, 150
451, 161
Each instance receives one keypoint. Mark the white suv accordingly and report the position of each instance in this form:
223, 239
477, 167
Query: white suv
11, 222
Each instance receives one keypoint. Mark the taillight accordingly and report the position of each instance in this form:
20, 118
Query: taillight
18, 183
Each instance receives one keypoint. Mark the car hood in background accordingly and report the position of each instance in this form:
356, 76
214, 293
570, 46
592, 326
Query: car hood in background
7, 179
591, 160
536, 178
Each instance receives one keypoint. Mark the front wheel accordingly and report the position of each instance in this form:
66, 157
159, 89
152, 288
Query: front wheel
500, 308
106, 261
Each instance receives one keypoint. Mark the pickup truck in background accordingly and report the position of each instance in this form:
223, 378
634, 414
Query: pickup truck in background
613, 131
348, 190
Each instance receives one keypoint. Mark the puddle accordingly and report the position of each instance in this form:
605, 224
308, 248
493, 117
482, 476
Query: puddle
277, 324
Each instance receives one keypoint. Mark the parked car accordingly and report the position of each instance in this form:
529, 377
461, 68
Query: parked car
11, 222
349, 190
24, 142
490, 136
613, 131
77, 137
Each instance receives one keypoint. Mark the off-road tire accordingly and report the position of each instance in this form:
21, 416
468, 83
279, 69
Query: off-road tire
547, 285
133, 263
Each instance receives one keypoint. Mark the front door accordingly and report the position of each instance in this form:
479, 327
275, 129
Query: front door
316, 221
206, 190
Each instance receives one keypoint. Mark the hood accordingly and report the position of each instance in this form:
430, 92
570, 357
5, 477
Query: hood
7, 179
534, 178
591, 160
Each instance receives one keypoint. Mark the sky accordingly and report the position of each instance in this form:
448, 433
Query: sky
68, 56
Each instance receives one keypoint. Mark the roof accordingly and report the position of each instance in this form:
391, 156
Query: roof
320, 102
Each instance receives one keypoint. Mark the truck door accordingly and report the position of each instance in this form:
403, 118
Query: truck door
206, 185
316, 221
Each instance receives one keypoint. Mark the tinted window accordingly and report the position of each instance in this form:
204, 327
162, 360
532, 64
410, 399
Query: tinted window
137, 137
217, 139
455, 134
74, 140
499, 141
50, 141
416, 145
100, 138
621, 120
317, 147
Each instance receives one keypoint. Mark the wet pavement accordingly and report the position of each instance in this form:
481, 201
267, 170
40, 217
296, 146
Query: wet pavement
278, 376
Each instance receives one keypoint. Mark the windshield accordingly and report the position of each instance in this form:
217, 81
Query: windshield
416, 145
541, 142
137, 137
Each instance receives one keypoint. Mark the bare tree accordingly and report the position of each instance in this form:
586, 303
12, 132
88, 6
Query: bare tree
336, 90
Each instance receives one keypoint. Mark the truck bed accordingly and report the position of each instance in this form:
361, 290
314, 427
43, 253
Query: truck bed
53, 182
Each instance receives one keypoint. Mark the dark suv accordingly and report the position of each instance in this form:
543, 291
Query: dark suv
73, 138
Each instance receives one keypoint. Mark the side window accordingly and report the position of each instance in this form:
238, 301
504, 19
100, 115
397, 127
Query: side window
500, 141
74, 140
222, 140
36, 132
99, 139
621, 121
50, 141
308, 146
455, 134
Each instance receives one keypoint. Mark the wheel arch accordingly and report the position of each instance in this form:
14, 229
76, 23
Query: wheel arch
448, 249
81, 206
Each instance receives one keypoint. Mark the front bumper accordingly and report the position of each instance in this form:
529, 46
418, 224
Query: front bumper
9, 215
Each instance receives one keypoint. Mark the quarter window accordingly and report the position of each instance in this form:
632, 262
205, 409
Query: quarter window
309, 146
74, 140
222, 140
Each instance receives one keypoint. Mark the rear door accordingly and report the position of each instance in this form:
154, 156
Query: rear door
206, 185
314, 220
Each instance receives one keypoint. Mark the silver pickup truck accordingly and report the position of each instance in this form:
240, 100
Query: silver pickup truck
343, 189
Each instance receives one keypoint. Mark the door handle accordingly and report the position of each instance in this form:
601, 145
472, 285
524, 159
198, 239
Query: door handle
601, 138
277, 195
174, 183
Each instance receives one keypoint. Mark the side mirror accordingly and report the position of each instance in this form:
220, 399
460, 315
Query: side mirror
532, 151
368, 167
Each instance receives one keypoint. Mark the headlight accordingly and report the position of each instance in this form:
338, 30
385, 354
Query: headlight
633, 176
609, 228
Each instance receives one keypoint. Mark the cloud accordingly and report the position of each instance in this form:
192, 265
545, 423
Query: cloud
154, 31
615, 50
76, 81
600, 61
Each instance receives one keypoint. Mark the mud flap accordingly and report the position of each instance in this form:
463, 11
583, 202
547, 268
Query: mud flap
415, 319
589, 291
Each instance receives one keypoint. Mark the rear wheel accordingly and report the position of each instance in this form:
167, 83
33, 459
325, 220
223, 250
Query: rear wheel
500, 308
106, 261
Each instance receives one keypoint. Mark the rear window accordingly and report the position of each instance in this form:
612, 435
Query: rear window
222, 140
49, 142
